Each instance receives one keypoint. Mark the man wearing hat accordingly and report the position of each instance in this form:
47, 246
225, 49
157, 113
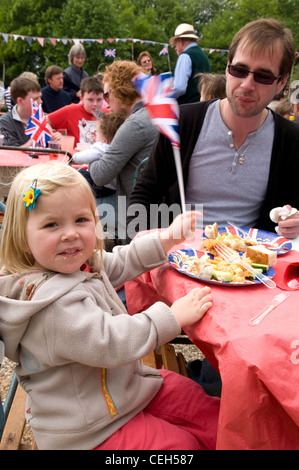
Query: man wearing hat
192, 60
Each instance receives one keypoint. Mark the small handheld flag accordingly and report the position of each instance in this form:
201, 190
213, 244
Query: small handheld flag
157, 94
34, 107
37, 127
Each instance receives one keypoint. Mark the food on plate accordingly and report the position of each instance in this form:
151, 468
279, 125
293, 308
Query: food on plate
211, 231
261, 255
232, 241
217, 269
253, 253
200, 268
260, 267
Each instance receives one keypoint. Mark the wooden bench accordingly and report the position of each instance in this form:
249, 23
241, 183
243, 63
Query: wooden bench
15, 424
165, 357
12, 415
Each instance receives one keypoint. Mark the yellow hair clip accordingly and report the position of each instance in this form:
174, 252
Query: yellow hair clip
30, 196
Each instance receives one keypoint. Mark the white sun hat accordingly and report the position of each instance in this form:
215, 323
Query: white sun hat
184, 30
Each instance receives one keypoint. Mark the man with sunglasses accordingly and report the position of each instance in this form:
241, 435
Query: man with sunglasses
239, 159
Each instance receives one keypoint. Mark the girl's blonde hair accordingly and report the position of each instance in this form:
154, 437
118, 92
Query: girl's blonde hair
14, 250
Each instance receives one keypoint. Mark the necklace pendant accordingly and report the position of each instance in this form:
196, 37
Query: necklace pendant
241, 159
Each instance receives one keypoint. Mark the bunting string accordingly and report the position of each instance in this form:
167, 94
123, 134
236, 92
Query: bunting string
65, 41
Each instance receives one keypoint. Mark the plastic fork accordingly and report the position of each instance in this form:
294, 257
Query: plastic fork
242, 232
231, 256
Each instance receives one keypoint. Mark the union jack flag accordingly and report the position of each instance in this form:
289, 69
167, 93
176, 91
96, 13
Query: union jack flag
34, 107
37, 127
110, 52
157, 94
164, 51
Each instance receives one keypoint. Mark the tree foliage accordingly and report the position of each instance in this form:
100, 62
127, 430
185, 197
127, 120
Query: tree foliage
216, 21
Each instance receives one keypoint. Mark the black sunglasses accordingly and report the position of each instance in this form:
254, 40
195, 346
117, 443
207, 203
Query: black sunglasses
260, 77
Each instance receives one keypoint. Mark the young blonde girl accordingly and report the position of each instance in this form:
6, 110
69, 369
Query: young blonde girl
78, 351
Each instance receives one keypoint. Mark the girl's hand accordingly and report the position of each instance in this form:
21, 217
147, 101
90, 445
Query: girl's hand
192, 307
181, 228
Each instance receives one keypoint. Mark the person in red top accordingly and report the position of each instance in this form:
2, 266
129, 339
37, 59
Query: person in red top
79, 119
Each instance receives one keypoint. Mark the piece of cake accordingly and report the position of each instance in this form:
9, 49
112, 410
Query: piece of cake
259, 254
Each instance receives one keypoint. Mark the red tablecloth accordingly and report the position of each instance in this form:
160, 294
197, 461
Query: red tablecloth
12, 161
259, 365
14, 158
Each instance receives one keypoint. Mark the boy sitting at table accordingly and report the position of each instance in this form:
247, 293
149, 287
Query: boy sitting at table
79, 119
13, 124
